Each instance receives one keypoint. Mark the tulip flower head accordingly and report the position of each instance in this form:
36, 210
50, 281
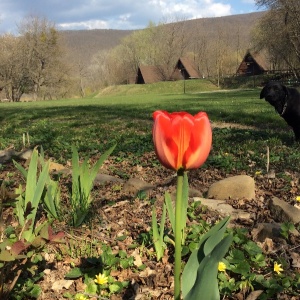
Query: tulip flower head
181, 141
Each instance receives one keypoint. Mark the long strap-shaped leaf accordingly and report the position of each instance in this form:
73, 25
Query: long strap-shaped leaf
206, 284
35, 200
157, 240
31, 178
170, 209
212, 238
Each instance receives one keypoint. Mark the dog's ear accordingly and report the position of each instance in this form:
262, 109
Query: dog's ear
263, 92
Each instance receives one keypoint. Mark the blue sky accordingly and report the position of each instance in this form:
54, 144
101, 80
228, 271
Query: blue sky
115, 14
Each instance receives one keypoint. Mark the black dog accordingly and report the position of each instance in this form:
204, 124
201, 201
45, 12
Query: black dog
286, 102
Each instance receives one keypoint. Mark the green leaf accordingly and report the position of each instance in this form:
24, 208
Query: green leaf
189, 273
242, 268
74, 273
91, 287
35, 291
252, 248
82, 183
20, 168
206, 284
5, 255
124, 264
31, 177
115, 287
52, 199
103, 157
170, 209
158, 244
213, 240
20, 206
236, 256
162, 225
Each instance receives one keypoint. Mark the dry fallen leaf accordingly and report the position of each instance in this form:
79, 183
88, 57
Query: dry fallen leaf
137, 258
296, 259
61, 284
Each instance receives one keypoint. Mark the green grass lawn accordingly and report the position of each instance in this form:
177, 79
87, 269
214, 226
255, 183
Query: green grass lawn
93, 124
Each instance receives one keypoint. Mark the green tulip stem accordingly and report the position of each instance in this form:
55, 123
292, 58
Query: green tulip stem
178, 235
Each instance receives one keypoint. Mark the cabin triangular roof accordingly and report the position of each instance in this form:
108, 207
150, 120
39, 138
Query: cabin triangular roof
189, 67
253, 63
149, 74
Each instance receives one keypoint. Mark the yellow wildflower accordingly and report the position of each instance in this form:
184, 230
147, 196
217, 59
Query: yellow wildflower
221, 267
257, 173
80, 297
298, 198
277, 268
101, 279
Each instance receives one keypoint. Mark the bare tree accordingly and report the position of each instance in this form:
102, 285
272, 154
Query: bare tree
171, 42
43, 53
279, 32
14, 78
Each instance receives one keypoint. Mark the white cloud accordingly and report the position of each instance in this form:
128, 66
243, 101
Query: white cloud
113, 14
98, 24
193, 9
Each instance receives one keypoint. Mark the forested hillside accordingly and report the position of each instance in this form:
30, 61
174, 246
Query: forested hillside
83, 44
105, 57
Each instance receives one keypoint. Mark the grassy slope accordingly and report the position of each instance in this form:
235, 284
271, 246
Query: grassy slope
167, 87
92, 124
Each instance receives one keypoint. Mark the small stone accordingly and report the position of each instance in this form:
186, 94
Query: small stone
194, 193
266, 230
26, 154
283, 211
135, 185
236, 187
224, 209
102, 178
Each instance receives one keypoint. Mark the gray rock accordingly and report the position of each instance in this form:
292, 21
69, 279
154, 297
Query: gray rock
136, 185
236, 187
266, 230
195, 193
7, 155
269, 230
283, 211
224, 209
102, 178
25, 154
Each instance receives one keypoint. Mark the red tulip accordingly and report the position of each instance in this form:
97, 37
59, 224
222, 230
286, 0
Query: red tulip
181, 141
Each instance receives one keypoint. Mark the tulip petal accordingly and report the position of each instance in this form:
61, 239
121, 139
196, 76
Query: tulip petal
163, 142
200, 143
182, 126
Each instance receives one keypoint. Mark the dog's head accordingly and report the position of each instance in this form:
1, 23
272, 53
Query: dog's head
274, 92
